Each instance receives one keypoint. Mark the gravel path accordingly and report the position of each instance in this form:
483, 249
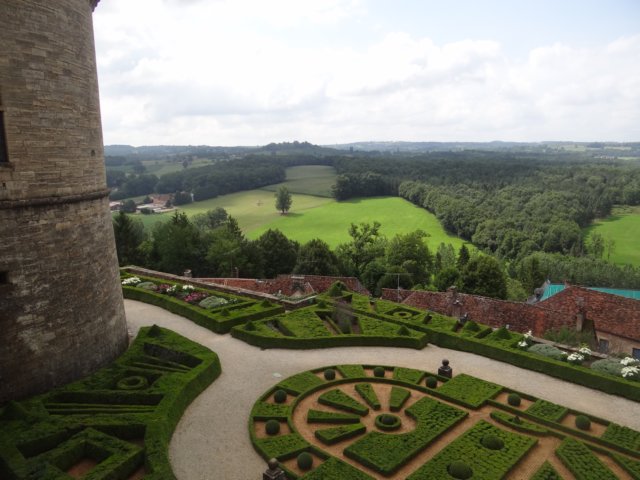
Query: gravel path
212, 440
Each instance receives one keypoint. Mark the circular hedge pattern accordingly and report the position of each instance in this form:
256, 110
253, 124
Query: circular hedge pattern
134, 382
459, 470
388, 422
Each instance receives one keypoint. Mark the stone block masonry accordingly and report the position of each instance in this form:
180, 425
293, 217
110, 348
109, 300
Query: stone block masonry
61, 308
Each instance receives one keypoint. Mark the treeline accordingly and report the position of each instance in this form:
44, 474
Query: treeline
508, 206
221, 178
212, 245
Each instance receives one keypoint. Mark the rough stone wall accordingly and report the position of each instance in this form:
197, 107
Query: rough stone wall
61, 309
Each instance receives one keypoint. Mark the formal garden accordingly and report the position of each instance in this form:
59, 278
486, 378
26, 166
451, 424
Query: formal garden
115, 424
334, 422
375, 421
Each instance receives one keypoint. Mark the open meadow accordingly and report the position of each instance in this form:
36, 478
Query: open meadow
314, 214
331, 221
623, 227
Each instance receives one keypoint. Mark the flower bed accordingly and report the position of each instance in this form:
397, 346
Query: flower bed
214, 310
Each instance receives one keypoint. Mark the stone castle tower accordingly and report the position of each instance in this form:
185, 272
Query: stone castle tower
61, 308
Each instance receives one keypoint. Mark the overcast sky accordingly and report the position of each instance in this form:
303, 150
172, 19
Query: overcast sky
250, 72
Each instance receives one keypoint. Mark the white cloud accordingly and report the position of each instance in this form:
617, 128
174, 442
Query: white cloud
176, 71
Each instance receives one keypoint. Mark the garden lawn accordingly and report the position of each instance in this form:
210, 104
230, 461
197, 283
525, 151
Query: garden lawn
330, 221
623, 227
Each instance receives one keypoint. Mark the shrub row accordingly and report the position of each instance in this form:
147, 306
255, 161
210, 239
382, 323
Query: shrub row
582, 462
368, 394
398, 398
329, 436
469, 391
338, 399
320, 416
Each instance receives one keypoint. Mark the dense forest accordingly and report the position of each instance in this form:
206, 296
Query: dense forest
524, 208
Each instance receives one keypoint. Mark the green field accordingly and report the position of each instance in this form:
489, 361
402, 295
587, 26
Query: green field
623, 227
309, 180
315, 214
331, 221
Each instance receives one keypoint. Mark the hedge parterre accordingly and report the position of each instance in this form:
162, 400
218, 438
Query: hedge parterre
121, 417
481, 450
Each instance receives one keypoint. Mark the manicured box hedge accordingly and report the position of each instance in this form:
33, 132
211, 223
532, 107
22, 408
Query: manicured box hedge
386, 453
103, 422
582, 462
368, 394
340, 400
486, 464
332, 435
469, 391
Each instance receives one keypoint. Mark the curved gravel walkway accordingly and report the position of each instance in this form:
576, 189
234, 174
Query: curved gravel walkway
212, 440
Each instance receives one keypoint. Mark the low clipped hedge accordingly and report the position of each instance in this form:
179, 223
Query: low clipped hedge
582, 462
149, 412
530, 361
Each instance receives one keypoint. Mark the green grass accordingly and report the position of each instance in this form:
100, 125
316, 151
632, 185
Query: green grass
623, 227
308, 179
331, 221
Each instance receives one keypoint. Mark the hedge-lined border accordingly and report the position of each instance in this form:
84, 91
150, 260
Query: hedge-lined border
30, 438
441, 331
209, 319
364, 374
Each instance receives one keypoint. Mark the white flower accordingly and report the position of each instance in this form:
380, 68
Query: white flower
131, 281
585, 350
628, 361
188, 288
523, 344
630, 372
575, 357
172, 289
528, 335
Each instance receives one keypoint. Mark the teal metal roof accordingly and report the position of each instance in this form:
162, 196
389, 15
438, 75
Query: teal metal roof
554, 288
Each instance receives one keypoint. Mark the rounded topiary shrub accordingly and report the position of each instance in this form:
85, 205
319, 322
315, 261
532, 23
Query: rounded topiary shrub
471, 326
305, 461
427, 318
459, 470
514, 400
378, 372
431, 382
329, 374
492, 442
502, 333
280, 396
272, 427
583, 422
